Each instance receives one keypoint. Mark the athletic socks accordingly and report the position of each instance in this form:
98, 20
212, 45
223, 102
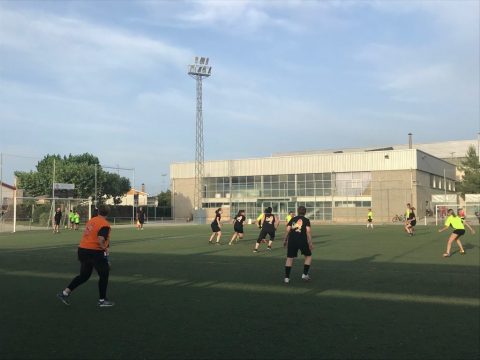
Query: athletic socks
305, 269
288, 269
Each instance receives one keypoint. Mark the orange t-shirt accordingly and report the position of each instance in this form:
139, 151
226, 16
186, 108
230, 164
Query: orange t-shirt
90, 235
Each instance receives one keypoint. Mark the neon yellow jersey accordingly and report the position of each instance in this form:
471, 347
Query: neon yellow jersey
77, 218
370, 215
407, 213
260, 217
71, 216
455, 222
288, 218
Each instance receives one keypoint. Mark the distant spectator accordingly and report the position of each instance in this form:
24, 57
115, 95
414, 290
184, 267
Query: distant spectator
77, 220
140, 218
56, 221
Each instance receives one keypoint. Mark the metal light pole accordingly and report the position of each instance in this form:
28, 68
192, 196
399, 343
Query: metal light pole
197, 71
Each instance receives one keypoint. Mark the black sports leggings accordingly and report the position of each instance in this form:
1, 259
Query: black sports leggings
90, 259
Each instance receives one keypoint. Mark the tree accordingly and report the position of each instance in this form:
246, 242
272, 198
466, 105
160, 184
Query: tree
72, 169
470, 183
115, 186
165, 199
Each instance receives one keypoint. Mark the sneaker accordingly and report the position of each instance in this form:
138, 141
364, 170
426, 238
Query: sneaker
305, 277
105, 303
229, 243
63, 298
218, 243
209, 242
269, 248
286, 280
446, 255
255, 250
462, 252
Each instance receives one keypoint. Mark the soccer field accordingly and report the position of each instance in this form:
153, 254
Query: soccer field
374, 294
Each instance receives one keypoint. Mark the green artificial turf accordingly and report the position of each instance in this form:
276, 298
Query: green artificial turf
374, 295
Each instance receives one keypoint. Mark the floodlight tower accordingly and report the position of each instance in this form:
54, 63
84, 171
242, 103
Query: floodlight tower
198, 71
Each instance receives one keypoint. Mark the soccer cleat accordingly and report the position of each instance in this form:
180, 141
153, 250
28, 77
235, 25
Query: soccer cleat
462, 252
286, 280
305, 277
218, 243
446, 254
269, 248
105, 303
63, 298
210, 242
255, 250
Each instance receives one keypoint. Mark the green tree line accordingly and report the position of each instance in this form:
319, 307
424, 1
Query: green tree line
73, 169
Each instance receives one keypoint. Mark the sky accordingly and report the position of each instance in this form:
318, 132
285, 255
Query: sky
110, 78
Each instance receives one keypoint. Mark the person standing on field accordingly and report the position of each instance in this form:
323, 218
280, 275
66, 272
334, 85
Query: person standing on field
216, 226
269, 224
56, 221
370, 219
298, 237
140, 218
71, 220
93, 253
76, 219
238, 227
458, 226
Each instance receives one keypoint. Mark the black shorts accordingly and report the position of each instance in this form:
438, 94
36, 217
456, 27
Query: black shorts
141, 221
369, 220
238, 229
215, 227
57, 222
459, 232
413, 222
93, 257
295, 245
264, 233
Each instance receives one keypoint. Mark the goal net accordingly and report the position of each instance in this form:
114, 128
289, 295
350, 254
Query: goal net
32, 213
441, 212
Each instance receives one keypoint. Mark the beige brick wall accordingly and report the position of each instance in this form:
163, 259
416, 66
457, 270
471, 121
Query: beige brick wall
183, 191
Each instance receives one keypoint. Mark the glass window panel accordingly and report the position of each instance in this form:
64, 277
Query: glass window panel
291, 177
309, 177
301, 177
267, 178
310, 192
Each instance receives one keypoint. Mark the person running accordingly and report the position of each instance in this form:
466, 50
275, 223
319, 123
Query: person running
370, 219
71, 219
93, 253
458, 226
216, 226
298, 237
56, 221
269, 224
407, 211
140, 218
76, 219
238, 227
411, 222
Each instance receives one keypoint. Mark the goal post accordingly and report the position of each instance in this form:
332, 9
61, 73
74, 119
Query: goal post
441, 211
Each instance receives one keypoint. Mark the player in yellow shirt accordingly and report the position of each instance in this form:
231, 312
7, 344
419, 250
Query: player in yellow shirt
458, 230
289, 217
370, 219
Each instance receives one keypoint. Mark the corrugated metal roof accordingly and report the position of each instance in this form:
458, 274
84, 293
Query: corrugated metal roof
320, 163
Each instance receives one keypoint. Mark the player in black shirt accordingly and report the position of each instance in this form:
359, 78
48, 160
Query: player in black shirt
269, 224
56, 221
238, 227
298, 237
216, 227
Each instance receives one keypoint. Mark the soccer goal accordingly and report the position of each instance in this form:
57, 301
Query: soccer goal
441, 211
31, 213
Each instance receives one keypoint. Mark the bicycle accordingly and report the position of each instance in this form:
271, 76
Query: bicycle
398, 218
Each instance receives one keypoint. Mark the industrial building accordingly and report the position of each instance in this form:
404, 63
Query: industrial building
336, 186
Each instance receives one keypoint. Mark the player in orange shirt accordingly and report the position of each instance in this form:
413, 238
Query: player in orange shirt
93, 253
